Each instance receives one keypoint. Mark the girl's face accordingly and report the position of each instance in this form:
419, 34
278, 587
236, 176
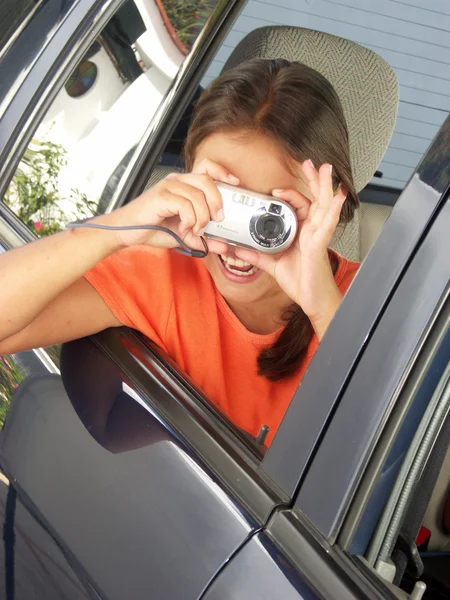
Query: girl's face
258, 164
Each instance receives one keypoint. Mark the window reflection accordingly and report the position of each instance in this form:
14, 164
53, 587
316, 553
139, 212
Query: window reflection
86, 139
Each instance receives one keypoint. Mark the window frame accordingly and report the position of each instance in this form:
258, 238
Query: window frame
27, 16
49, 60
55, 55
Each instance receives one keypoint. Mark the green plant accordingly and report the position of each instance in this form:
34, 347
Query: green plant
10, 377
33, 193
188, 18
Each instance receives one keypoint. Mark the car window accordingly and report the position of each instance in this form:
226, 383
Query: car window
77, 157
82, 146
12, 15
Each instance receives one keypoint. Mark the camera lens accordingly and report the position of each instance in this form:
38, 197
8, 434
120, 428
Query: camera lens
269, 226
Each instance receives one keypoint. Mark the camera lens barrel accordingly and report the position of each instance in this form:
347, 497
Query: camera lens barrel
268, 227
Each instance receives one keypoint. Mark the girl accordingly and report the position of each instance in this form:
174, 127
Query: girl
243, 325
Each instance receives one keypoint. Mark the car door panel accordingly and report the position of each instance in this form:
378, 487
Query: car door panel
34, 565
259, 570
289, 560
133, 506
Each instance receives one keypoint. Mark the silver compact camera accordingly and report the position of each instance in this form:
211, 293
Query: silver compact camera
252, 220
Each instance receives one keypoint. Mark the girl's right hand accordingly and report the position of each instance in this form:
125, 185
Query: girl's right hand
183, 203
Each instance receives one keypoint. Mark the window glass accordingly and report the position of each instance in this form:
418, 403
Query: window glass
82, 146
409, 504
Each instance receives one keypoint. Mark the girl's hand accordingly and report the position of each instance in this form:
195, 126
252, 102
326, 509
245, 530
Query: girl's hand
304, 272
184, 203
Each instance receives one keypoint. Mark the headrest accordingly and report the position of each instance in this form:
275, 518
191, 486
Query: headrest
366, 85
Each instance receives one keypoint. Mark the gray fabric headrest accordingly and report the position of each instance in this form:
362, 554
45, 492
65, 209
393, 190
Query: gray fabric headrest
365, 83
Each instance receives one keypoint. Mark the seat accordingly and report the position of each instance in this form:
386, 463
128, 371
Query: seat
355, 239
368, 89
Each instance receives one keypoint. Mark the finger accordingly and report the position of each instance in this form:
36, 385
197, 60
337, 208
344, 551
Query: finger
171, 205
216, 246
265, 262
197, 198
312, 177
211, 194
331, 219
326, 195
296, 199
215, 171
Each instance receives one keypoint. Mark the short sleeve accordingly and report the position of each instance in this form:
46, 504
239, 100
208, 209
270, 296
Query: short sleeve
346, 275
136, 285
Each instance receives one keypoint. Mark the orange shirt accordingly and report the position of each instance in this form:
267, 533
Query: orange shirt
172, 300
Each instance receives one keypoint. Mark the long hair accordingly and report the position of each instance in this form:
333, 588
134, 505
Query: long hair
297, 108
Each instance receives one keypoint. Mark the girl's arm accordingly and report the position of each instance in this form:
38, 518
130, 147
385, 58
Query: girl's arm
44, 298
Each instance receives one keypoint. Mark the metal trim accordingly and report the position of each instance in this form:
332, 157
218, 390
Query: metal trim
330, 572
393, 426
46, 361
20, 29
49, 28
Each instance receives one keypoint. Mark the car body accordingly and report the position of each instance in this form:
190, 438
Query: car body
120, 480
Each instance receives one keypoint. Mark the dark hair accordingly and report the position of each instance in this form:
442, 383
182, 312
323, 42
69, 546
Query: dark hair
299, 109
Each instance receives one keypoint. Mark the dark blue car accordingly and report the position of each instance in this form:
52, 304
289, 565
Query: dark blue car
119, 479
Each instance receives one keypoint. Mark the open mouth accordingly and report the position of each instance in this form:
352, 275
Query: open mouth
236, 266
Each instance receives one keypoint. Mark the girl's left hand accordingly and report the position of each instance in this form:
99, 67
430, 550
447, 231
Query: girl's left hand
304, 272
